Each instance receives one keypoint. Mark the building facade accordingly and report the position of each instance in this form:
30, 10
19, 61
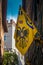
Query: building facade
34, 9
3, 28
9, 37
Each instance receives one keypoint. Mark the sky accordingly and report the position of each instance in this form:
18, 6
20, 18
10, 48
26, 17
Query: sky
12, 9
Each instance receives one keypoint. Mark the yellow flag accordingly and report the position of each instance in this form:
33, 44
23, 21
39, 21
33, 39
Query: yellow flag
25, 33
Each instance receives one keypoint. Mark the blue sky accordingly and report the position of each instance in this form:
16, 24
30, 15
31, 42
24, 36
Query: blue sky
12, 9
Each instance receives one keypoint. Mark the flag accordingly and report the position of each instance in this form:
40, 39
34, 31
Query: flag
24, 33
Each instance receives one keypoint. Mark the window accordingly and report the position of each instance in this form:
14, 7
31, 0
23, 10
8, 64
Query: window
5, 37
35, 10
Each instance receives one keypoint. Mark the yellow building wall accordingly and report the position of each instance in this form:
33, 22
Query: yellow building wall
2, 41
0, 20
1, 31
